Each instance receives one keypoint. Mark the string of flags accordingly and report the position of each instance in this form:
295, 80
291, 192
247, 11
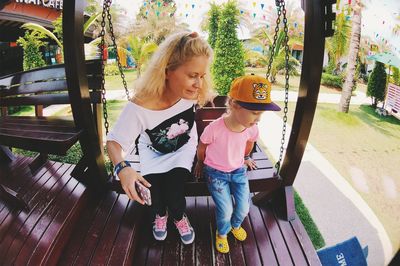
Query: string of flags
258, 11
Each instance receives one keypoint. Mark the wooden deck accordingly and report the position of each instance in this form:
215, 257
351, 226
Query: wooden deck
68, 224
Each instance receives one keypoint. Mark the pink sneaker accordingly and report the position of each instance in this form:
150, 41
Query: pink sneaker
160, 227
185, 230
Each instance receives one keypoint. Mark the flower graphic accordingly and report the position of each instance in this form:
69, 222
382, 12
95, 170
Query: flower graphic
177, 129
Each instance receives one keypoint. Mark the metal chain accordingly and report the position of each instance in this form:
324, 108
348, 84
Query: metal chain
285, 110
103, 81
106, 13
114, 43
278, 21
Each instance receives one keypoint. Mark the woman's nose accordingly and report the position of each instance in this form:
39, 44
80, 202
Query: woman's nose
197, 82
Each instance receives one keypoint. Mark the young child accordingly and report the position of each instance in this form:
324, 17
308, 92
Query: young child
223, 154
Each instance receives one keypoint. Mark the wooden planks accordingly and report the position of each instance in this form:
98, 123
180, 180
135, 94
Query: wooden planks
270, 241
55, 200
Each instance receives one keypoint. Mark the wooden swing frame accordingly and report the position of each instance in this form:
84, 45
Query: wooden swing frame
91, 169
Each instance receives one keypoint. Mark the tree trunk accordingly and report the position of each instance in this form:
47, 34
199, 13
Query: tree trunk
352, 58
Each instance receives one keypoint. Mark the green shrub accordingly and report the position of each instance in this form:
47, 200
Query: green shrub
111, 70
377, 83
229, 54
31, 43
331, 80
212, 26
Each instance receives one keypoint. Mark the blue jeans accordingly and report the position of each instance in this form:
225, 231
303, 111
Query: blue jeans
221, 185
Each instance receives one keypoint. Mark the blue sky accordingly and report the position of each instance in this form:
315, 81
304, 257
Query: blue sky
378, 17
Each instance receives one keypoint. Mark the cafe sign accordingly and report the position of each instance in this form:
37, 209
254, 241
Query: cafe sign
55, 4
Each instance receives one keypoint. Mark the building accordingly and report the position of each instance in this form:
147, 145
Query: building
13, 14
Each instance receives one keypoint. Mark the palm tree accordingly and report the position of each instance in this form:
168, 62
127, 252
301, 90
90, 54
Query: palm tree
155, 21
140, 50
352, 58
338, 45
264, 39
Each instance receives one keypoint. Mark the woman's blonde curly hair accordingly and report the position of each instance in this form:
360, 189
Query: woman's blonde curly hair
176, 50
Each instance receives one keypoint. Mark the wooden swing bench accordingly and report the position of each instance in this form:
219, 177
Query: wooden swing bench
74, 217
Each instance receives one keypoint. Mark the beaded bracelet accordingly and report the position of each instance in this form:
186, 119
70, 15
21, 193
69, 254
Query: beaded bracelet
119, 166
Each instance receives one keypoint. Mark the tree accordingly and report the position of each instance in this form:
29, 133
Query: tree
156, 20
352, 58
57, 33
396, 76
377, 84
31, 43
229, 56
213, 24
338, 45
141, 50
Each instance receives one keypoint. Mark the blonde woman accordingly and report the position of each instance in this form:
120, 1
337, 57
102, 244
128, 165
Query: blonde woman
158, 124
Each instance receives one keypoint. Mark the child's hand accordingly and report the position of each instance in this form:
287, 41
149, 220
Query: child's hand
198, 170
250, 164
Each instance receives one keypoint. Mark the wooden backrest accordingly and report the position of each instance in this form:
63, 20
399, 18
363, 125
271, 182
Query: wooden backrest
209, 113
46, 86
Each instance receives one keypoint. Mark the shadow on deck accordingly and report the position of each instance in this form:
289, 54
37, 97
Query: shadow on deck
67, 224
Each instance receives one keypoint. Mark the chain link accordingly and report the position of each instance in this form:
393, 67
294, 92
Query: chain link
107, 14
282, 11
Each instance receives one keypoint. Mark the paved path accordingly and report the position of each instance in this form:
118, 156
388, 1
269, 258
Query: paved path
338, 210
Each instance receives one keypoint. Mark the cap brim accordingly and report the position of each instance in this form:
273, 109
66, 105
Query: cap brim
260, 106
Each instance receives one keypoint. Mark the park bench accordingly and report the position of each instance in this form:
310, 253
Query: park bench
42, 87
46, 135
261, 179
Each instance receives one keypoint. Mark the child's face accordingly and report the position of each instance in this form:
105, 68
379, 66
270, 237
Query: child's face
245, 117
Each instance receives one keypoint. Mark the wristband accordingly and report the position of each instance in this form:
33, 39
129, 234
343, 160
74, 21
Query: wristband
247, 157
119, 166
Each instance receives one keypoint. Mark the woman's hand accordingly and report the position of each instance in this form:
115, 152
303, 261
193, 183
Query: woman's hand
128, 177
198, 170
250, 164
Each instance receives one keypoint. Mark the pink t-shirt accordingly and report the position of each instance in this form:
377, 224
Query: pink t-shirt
225, 148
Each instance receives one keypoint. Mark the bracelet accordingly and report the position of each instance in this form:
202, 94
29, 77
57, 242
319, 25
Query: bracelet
119, 166
247, 157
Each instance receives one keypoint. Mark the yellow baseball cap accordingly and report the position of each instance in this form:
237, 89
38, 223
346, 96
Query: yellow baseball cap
253, 92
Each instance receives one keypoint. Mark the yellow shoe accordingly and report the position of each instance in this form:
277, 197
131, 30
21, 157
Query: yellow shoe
239, 233
221, 244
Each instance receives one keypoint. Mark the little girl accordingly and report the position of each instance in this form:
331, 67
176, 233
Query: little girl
223, 154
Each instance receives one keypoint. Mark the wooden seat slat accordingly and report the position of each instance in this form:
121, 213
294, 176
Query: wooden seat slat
50, 222
93, 235
108, 236
38, 128
53, 143
262, 237
41, 120
277, 239
129, 228
24, 224
46, 99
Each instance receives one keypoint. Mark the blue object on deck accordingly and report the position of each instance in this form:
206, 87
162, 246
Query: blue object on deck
347, 253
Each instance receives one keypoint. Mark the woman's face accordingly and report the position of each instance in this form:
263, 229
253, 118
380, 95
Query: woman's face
186, 80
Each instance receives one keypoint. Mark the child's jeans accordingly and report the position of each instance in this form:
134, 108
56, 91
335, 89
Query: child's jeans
221, 185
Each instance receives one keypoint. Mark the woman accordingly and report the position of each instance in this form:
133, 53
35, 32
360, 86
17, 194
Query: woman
159, 125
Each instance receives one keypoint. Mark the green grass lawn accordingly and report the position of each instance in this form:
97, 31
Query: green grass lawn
115, 82
365, 148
